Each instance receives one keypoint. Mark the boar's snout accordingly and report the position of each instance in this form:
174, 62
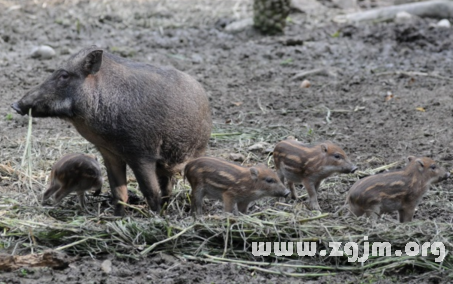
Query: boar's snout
16, 107
286, 193
354, 169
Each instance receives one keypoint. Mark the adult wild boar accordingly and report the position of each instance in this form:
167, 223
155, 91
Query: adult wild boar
153, 119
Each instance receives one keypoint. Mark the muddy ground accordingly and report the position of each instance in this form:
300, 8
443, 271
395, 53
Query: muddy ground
361, 102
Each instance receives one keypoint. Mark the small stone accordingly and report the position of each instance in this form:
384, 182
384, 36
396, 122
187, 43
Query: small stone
305, 84
349, 5
168, 259
106, 266
444, 23
402, 17
309, 7
196, 58
259, 146
239, 26
236, 157
43, 52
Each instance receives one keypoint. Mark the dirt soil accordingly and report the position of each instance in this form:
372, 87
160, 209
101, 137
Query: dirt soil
361, 101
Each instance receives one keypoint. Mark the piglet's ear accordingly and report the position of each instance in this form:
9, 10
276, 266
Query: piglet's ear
254, 172
324, 147
420, 162
92, 62
410, 158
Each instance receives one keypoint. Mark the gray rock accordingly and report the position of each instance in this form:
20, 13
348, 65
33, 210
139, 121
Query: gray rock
239, 26
444, 23
260, 146
106, 266
236, 157
43, 52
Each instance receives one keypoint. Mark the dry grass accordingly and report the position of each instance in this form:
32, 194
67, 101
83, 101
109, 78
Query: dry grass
27, 226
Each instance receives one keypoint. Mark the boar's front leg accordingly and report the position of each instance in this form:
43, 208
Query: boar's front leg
145, 173
116, 172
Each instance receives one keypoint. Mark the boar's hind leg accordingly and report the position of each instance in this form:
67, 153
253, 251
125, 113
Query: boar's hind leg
145, 173
165, 184
116, 172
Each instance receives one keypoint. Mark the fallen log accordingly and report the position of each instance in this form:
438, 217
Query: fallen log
440, 9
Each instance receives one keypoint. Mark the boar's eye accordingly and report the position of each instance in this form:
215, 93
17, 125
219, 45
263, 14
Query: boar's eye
433, 167
64, 75
270, 180
337, 156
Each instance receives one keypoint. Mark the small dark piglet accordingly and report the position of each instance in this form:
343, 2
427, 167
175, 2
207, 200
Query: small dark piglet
400, 190
309, 164
231, 183
74, 173
153, 119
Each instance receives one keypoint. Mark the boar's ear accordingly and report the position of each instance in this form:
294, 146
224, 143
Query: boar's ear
410, 158
324, 147
254, 172
93, 62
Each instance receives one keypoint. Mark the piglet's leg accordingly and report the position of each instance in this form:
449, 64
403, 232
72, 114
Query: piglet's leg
293, 190
357, 210
406, 214
228, 202
145, 173
116, 172
97, 191
312, 194
243, 206
82, 199
196, 200
50, 191
64, 191
280, 175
